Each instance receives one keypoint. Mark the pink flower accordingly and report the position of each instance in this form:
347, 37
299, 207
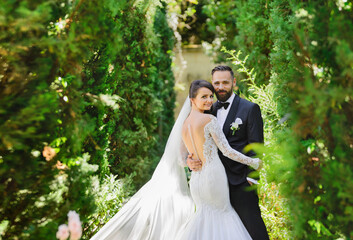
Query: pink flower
48, 153
63, 232
75, 235
74, 225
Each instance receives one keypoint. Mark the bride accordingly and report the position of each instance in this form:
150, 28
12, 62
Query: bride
165, 208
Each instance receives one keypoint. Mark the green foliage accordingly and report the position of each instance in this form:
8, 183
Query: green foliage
36, 112
78, 79
109, 197
241, 25
140, 74
307, 107
165, 87
323, 110
191, 20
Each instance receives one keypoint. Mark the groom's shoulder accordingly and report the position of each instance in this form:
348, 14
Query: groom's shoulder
248, 107
246, 103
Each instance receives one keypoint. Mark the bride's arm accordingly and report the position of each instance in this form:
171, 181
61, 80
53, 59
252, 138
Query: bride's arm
223, 145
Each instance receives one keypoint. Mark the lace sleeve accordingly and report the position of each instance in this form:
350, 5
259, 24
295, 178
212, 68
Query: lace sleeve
223, 145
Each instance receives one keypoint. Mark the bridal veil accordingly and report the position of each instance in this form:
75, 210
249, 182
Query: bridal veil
163, 204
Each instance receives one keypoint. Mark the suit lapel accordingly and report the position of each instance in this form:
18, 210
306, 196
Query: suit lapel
231, 115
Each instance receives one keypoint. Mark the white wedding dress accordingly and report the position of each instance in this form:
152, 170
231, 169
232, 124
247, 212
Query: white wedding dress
215, 218
164, 209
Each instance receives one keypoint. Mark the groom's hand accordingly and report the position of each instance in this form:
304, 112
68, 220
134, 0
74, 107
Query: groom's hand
193, 164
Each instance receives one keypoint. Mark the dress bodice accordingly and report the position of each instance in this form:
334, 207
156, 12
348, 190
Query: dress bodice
209, 186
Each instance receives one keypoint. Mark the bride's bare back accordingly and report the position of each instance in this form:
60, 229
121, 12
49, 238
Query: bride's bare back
196, 122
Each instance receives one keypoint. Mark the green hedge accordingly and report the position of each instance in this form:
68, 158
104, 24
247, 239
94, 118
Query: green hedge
92, 81
302, 53
140, 74
242, 25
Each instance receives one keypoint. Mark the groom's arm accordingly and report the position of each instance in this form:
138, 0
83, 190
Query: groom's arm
255, 126
255, 132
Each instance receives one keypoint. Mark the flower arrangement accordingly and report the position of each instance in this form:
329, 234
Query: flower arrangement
235, 125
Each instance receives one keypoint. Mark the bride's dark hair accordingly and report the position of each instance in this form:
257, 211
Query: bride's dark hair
196, 85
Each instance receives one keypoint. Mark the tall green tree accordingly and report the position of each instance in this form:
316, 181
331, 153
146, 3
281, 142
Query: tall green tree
82, 88
301, 51
241, 25
321, 108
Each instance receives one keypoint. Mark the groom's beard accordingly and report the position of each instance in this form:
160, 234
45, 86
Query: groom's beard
224, 97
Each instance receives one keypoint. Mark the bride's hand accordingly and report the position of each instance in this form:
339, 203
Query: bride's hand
193, 164
260, 164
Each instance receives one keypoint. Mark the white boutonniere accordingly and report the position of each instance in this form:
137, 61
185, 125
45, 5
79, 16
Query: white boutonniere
235, 125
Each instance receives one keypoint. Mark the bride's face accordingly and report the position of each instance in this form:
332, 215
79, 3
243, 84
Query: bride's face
203, 100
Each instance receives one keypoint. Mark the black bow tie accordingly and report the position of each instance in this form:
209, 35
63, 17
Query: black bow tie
222, 104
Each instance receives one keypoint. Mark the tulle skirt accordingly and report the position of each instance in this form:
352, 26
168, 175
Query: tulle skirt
156, 212
213, 224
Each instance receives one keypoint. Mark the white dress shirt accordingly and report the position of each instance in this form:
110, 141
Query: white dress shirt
223, 113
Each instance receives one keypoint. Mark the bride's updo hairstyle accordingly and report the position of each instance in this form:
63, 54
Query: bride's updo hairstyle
196, 85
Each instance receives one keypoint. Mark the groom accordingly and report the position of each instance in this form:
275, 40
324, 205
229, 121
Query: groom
247, 128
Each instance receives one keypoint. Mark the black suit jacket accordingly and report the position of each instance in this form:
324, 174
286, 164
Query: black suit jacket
250, 131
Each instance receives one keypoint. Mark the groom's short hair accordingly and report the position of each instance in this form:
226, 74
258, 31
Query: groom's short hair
223, 68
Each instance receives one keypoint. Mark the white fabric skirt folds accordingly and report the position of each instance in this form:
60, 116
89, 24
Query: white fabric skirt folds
157, 211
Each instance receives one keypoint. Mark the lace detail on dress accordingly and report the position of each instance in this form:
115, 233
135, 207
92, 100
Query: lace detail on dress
210, 150
213, 132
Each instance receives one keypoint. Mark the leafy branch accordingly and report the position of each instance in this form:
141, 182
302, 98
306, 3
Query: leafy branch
235, 59
263, 94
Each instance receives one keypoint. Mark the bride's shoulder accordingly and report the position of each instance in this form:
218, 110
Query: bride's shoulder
210, 117
200, 121
207, 118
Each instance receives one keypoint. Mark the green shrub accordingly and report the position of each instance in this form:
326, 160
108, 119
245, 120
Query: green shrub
78, 79
309, 131
109, 197
242, 25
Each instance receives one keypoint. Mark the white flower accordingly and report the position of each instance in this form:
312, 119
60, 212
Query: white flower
235, 125
72, 215
63, 232
36, 153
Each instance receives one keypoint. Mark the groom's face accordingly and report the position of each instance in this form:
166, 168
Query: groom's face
223, 83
